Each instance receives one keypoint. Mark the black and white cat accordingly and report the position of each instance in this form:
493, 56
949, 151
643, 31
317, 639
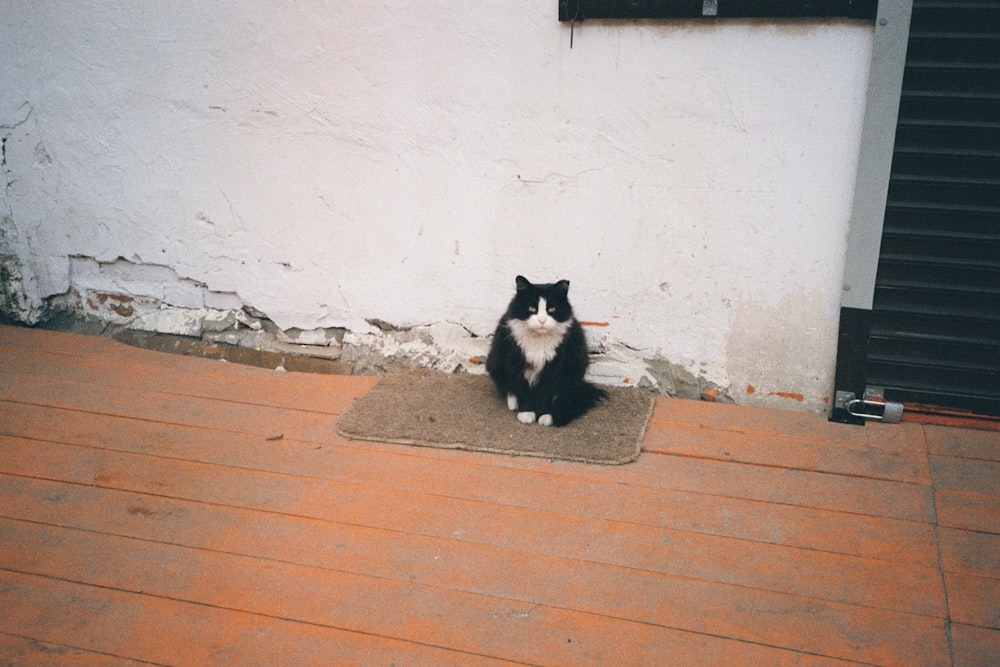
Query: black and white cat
539, 356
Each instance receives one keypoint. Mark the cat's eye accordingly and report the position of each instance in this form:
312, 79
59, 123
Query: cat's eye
552, 309
532, 309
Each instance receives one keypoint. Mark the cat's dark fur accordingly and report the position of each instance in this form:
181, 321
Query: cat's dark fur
539, 356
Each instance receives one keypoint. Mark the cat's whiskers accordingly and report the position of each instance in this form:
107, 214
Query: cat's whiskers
538, 347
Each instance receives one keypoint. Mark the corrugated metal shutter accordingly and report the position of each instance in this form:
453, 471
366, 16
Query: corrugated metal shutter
935, 336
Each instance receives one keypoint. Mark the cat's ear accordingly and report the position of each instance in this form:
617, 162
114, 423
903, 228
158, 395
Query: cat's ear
522, 283
561, 288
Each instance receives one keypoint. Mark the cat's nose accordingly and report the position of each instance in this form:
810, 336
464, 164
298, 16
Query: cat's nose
542, 319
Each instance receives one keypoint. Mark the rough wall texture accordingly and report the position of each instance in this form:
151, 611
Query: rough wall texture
330, 165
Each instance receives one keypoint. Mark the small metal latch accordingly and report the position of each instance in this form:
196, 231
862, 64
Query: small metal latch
870, 406
710, 8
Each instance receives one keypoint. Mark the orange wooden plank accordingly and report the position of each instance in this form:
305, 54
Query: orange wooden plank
788, 423
263, 420
231, 383
644, 476
899, 500
474, 624
974, 475
811, 486
973, 600
971, 511
974, 647
88, 346
177, 375
793, 487
935, 414
171, 632
965, 443
460, 476
717, 609
821, 575
799, 488
860, 459
791, 425
914, 535
16, 650
40, 339
970, 552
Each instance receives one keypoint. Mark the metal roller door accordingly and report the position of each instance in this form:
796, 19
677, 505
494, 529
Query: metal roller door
935, 333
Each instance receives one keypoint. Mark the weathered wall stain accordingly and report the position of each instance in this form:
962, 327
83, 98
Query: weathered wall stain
774, 350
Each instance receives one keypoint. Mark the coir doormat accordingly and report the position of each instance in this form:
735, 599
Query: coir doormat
455, 411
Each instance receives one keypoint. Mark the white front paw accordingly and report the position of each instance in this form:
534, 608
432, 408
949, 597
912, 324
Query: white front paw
545, 420
526, 417
511, 402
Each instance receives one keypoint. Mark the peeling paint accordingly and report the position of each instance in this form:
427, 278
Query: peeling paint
127, 292
446, 346
119, 304
673, 379
787, 394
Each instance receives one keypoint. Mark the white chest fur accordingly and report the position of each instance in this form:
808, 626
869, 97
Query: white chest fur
538, 338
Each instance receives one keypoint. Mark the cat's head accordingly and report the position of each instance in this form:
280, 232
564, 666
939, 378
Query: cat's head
543, 307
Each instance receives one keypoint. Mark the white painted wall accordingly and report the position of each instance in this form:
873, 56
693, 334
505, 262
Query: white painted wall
327, 163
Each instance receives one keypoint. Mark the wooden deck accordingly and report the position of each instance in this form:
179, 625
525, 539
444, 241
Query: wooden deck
170, 510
